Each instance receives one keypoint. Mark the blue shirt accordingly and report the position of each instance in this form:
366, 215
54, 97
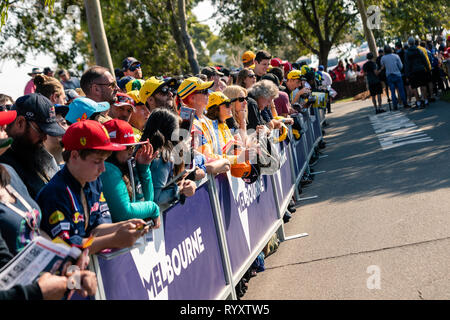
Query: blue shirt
62, 210
392, 64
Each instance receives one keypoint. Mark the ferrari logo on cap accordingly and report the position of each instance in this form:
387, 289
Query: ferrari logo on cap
83, 117
83, 141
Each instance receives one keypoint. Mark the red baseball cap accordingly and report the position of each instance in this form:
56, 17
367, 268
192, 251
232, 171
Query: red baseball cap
275, 62
6, 117
121, 132
124, 100
89, 134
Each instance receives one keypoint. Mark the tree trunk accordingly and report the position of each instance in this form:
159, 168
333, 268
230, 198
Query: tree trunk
324, 50
98, 35
192, 54
367, 32
175, 30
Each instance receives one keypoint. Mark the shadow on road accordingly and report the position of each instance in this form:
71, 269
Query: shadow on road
357, 167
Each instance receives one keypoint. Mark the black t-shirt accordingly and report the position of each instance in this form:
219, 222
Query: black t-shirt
382, 75
369, 69
254, 115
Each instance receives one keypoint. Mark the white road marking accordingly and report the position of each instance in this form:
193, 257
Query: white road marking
394, 129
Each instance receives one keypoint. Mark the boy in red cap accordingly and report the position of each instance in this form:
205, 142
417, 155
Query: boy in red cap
72, 203
127, 180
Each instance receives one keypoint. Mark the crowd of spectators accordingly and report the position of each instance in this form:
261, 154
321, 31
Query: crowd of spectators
416, 69
98, 156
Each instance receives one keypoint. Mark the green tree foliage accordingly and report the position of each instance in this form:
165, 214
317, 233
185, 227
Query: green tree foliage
302, 25
145, 29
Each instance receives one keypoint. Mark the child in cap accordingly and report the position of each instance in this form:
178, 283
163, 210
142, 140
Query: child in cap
72, 203
127, 180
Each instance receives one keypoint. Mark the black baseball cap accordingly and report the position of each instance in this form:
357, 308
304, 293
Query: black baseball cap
211, 72
38, 108
272, 77
128, 62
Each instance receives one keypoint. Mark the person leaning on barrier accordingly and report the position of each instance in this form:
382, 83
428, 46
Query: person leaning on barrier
193, 92
261, 96
219, 110
238, 123
161, 128
129, 192
72, 203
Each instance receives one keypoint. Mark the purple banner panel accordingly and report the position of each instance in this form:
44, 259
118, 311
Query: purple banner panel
316, 125
248, 212
283, 178
182, 261
298, 152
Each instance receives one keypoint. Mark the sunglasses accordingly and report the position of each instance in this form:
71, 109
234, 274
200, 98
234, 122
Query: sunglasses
164, 90
6, 107
111, 85
125, 100
137, 66
251, 75
241, 99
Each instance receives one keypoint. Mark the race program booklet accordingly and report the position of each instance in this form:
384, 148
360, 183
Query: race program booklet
40, 255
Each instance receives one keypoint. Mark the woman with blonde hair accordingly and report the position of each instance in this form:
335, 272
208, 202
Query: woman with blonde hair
238, 99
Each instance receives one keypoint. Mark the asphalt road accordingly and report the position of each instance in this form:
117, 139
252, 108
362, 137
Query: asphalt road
380, 228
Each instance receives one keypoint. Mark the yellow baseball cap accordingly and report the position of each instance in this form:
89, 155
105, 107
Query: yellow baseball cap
294, 74
192, 84
216, 99
248, 56
135, 95
149, 86
135, 84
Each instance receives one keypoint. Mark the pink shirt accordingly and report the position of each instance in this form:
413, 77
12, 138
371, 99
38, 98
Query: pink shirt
30, 87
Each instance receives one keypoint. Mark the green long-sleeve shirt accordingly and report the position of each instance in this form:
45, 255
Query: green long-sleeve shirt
118, 199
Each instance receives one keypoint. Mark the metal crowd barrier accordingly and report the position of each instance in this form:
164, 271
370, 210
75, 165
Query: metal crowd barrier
204, 246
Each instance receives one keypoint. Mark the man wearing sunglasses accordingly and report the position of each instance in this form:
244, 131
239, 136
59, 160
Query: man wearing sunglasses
36, 118
156, 93
100, 85
132, 67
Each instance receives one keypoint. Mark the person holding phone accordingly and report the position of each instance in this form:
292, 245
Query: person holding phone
162, 130
127, 180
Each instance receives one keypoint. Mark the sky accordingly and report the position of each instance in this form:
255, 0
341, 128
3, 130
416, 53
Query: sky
13, 78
